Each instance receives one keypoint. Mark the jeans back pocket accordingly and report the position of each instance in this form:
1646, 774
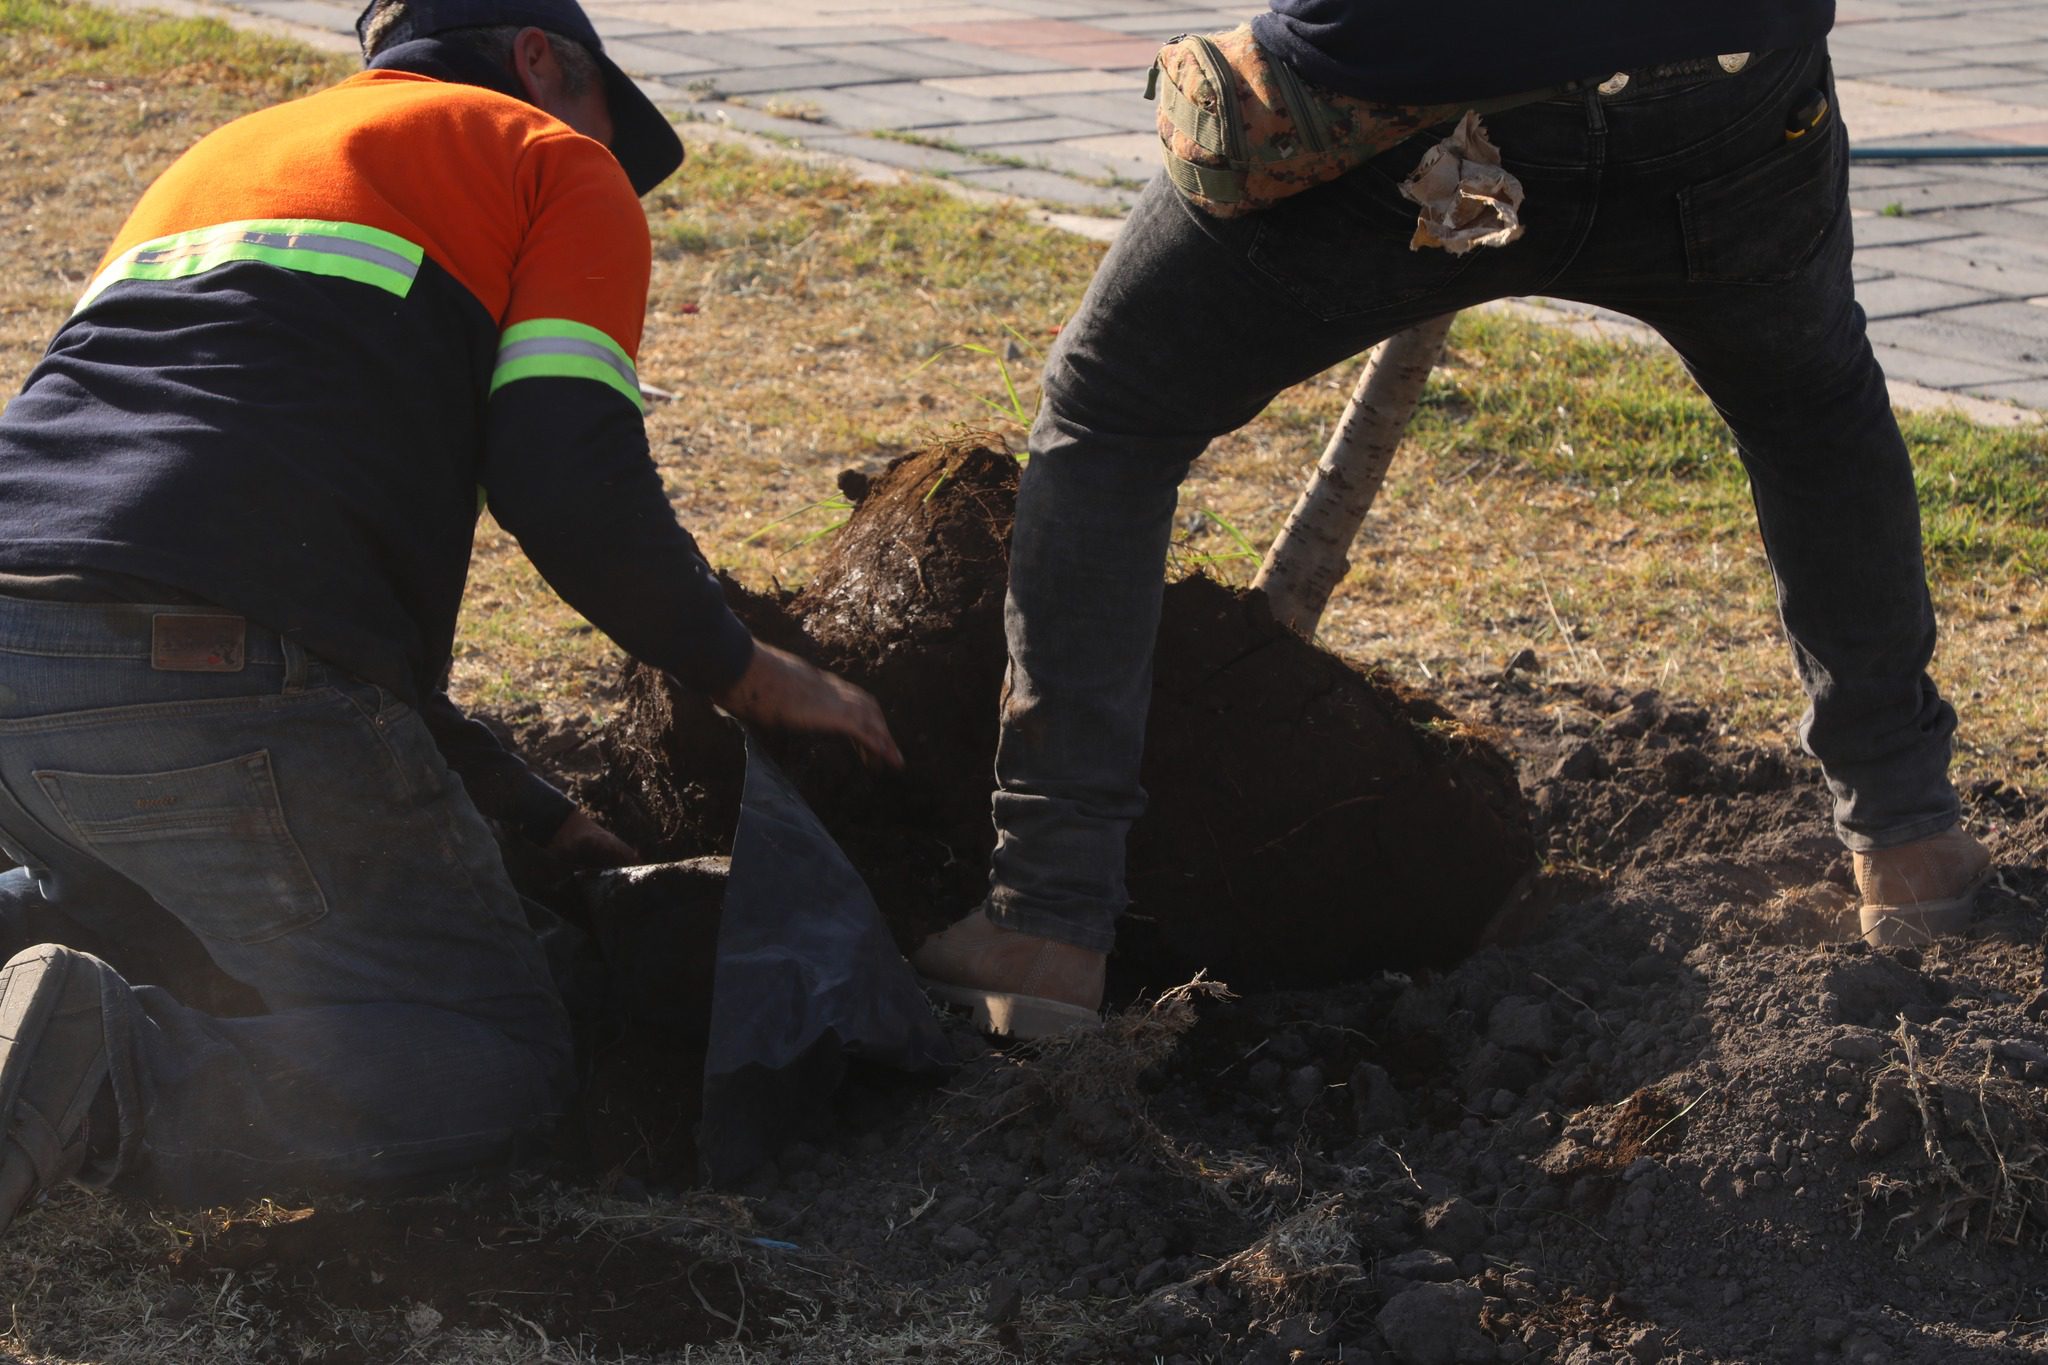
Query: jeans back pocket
1762, 222
210, 844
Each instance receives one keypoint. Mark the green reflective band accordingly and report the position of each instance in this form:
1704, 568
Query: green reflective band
556, 348
346, 251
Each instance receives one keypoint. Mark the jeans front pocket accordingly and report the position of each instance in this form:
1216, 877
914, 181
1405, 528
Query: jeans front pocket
210, 844
1764, 221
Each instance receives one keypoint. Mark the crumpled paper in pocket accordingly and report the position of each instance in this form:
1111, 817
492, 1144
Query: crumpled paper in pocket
1468, 199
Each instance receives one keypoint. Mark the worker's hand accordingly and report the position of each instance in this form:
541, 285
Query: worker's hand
586, 843
778, 689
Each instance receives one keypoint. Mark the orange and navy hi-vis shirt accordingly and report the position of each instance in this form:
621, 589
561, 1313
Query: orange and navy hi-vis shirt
322, 334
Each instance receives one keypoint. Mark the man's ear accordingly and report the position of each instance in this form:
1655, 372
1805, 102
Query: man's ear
536, 68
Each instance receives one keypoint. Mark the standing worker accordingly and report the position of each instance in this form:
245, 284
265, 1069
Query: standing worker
1682, 164
236, 505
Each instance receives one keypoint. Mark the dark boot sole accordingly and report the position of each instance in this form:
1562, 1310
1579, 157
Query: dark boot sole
36, 988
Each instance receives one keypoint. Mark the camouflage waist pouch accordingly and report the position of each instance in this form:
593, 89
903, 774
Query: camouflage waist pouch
1242, 131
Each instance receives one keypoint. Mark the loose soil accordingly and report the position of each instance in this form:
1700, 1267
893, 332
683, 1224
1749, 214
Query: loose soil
1669, 1110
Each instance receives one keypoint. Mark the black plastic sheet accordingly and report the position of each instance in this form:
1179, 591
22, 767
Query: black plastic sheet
807, 982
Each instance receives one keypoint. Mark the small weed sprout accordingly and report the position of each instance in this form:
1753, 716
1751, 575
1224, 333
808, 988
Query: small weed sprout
1243, 552
837, 503
1010, 407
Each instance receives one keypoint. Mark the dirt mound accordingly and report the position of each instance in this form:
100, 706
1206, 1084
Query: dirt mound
1677, 1115
1309, 819
1684, 1118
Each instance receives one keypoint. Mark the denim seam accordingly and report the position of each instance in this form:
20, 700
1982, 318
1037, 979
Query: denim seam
100, 716
1760, 111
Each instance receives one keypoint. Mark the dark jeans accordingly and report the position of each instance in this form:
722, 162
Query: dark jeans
1684, 206
302, 825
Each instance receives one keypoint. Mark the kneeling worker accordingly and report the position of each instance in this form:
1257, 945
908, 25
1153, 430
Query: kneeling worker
237, 499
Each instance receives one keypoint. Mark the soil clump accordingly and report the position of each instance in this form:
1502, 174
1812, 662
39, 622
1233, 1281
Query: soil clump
1309, 820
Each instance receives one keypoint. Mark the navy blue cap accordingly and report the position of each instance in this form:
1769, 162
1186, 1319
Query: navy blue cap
643, 139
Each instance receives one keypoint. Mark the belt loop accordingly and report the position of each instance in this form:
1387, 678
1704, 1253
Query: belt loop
294, 664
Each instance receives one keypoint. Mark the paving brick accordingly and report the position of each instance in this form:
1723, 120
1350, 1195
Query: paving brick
820, 34
2024, 221
898, 59
1133, 55
1879, 175
1877, 230
843, 107
908, 156
989, 59
311, 13
2023, 323
616, 28
1131, 112
1169, 22
1971, 266
758, 121
1940, 371
1064, 158
1137, 153
1021, 33
1058, 9
1941, 334
1996, 54
2029, 393
728, 50
1036, 184
696, 16
2032, 92
646, 59
778, 79
1934, 34
1899, 295
925, 107
1029, 84
1025, 131
1970, 78
1950, 192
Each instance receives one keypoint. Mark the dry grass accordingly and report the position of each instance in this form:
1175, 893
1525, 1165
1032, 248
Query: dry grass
1570, 496
794, 311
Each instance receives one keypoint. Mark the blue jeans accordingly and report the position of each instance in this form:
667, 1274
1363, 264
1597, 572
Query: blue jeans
1683, 205
302, 825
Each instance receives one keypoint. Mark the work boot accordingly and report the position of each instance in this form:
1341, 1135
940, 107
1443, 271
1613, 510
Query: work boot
1016, 985
1921, 891
53, 1064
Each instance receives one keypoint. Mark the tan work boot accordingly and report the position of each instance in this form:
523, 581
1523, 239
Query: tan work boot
1016, 985
1921, 891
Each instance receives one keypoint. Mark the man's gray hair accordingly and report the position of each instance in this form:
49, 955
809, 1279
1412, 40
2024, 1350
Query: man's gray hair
493, 44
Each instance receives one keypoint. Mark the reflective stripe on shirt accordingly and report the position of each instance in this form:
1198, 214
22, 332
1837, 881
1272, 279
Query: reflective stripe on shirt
347, 251
556, 348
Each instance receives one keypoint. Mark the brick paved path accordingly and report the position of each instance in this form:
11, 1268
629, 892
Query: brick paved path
1039, 98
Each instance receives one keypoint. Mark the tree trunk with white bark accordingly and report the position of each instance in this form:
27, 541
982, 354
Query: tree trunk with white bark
1310, 556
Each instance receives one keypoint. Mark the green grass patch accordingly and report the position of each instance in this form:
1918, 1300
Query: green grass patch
55, 39
1628, 425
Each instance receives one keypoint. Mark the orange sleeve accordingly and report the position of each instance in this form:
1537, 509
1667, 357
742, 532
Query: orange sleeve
586, 255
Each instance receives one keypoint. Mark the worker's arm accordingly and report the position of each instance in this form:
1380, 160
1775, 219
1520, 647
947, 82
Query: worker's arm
567, 470
501, 786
